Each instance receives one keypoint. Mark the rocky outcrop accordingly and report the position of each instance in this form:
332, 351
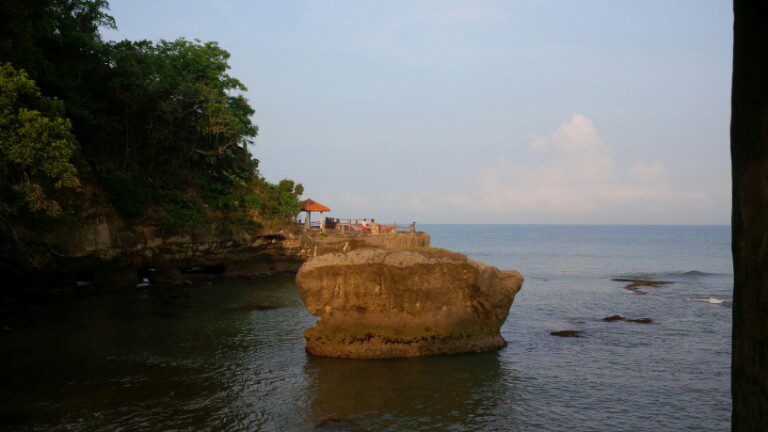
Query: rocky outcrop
109, 253
375, 303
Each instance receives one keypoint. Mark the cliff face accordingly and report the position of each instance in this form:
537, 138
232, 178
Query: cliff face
375, 303
106, 252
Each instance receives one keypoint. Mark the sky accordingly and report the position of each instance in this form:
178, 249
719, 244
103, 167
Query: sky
537, 111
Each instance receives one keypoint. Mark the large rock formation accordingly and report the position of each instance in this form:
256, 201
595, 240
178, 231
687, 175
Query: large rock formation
749, 220
404, 303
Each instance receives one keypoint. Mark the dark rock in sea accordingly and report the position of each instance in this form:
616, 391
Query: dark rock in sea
613, 318
634, 284
404, 303
643, 282
567, 333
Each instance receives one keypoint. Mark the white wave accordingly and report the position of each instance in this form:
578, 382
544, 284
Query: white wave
712, 300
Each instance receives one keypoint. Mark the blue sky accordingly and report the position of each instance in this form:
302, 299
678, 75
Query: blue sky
534, 111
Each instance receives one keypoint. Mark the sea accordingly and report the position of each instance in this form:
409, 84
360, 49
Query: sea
228, 354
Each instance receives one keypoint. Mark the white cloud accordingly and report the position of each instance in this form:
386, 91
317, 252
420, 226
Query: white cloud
570, 175
648, 172
574, 178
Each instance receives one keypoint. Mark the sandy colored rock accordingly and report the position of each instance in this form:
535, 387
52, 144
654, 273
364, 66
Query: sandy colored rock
404, 303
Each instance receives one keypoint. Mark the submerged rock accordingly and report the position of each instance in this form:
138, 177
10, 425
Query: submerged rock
613, 318
643, 282
641, 321
635, 284
404, 303
566, 333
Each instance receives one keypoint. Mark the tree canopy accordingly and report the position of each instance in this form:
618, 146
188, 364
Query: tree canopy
161, 127
180, 109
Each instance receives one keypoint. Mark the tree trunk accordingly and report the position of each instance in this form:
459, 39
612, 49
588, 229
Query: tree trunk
749, 217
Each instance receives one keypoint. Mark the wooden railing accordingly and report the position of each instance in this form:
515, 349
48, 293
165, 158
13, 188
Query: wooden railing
362, 226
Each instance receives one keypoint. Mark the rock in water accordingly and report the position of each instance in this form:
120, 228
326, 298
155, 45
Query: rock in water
376, 303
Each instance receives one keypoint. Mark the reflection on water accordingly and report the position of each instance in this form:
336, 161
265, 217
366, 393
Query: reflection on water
461, 392
227, 356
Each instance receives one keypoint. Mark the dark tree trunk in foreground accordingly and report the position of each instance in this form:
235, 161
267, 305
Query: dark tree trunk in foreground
749, 160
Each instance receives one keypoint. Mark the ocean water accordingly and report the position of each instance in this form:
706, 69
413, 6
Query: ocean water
228, 354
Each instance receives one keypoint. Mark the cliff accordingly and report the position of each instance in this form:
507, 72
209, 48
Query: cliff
105, 252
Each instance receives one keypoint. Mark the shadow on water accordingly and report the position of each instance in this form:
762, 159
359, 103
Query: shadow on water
458, 392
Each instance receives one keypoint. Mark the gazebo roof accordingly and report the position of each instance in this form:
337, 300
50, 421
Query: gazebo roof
309, 205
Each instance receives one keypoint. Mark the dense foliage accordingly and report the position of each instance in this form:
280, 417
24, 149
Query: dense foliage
160, 126
36, 147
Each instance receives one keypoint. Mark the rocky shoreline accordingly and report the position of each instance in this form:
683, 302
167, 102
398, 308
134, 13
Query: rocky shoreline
95, 257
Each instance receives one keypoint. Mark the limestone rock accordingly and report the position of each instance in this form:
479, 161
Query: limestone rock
404, 303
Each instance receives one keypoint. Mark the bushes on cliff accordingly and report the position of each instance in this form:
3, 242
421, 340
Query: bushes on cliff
181, 214
36, 148
130, 194
37, 151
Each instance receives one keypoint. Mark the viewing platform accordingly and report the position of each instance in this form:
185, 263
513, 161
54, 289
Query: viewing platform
348, 227
358, 226
341, 235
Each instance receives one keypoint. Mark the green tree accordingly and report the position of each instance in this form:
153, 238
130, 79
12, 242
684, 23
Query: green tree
284, 198
36, 147
181, 110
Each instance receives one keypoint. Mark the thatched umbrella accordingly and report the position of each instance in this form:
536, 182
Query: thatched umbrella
309, 206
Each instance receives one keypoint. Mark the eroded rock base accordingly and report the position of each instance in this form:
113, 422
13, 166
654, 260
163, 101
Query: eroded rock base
372, 347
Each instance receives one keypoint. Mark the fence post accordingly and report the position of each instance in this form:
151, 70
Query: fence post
413, 227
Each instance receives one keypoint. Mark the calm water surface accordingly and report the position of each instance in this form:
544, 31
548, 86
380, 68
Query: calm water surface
229, 355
